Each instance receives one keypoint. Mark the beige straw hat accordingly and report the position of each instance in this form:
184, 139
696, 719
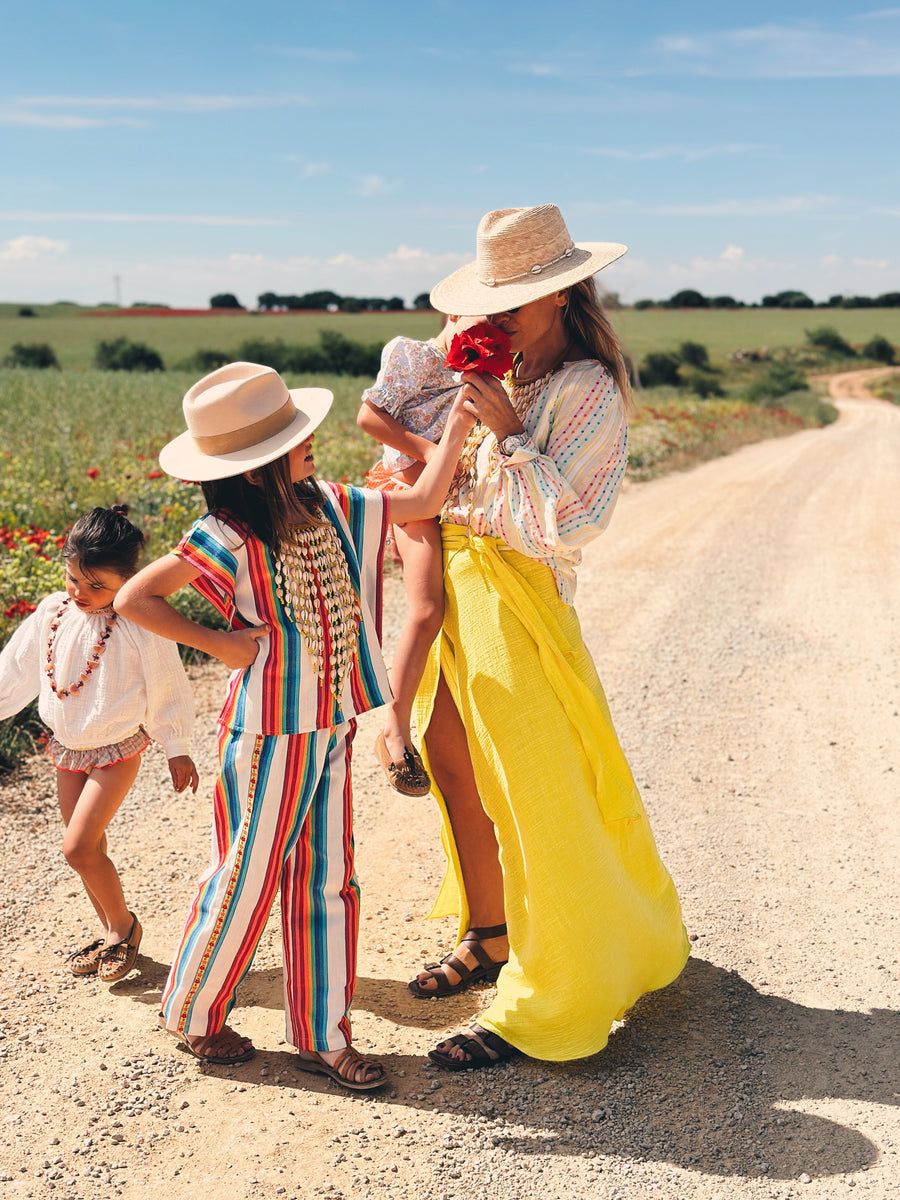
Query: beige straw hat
240, 417
522, 254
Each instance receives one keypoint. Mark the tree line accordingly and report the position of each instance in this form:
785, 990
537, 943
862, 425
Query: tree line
319, 301
690, 298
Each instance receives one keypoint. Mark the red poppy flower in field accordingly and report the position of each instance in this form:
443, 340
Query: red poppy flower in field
93, 472
482, 348
154, 474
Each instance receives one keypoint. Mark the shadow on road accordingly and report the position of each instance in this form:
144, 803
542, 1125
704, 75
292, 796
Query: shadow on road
697, 1077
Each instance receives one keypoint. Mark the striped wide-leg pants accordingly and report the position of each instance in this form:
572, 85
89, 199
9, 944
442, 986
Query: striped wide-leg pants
282, 817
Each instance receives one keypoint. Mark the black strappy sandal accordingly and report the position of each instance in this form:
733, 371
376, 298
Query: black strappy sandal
487, 969
481, 1047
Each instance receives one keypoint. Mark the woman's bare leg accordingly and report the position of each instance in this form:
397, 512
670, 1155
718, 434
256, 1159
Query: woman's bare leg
473, 831
84, 842
419, 546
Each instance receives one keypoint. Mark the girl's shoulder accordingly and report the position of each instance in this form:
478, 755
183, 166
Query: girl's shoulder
223, 527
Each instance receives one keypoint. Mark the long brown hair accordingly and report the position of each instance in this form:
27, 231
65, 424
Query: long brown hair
588, 326
269, 503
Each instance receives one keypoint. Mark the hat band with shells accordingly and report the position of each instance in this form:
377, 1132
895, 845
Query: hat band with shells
495, 281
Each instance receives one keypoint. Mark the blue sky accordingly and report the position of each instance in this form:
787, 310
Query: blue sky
196, 147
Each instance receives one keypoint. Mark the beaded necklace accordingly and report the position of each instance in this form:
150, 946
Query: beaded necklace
522, 394
313, 584
92, 662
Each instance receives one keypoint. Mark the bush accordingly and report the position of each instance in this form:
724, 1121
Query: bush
702, 383
687, 299
122, 355
790, 299
827, 338
31, 354
25, 311
694, 354
779, 379
335, 355
224, 300
201, 362
659, 369
880, 349
643, 305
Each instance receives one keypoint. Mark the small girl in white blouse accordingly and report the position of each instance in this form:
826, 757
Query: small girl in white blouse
106, 688
405, 410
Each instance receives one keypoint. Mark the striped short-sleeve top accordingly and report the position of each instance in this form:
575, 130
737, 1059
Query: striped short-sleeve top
280, 691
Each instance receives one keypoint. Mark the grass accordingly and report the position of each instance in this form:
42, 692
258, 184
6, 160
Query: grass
74, 336
73, 333
887, 388
77, 437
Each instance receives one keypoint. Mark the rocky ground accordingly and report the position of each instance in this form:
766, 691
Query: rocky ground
744, 616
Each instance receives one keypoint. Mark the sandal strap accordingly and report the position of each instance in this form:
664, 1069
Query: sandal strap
350, 1070
494, 1042
484, 932
87, 952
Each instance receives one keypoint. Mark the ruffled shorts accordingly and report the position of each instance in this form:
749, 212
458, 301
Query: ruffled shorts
65, 759
380, 479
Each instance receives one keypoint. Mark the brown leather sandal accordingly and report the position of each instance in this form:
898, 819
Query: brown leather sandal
408, 777
116, 961
86, 960
487, 969
346, 1070
481, 1048
224, 1048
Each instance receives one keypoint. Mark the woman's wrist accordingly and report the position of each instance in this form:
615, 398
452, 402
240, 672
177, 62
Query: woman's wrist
512, 442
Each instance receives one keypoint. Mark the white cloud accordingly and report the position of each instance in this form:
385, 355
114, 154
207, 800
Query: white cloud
684, 153
317, 54
168, 103
376, 185
25, 247
22, 118
750, 207
776, 52
144, 218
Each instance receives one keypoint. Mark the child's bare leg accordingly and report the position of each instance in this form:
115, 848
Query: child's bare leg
84, 842
419, 545
69, 785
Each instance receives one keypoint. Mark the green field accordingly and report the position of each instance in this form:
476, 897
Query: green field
74, 333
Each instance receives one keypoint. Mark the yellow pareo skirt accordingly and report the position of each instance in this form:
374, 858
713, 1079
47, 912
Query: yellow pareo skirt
594, 920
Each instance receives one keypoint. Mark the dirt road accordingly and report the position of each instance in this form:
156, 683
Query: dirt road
745, 617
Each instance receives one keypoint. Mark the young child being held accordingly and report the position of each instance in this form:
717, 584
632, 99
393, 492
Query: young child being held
405, 410
106, 687
295, 566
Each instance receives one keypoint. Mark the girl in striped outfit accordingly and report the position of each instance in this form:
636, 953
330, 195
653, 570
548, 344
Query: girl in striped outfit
294, 565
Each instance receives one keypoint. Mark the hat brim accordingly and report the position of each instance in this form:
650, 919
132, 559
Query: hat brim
184, 460
464, 295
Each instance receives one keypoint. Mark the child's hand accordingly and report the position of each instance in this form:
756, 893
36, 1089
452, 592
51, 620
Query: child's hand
239, 648
183, 773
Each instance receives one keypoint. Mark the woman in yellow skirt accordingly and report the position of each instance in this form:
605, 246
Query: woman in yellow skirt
552, 866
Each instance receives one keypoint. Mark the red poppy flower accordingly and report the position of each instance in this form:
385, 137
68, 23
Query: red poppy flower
154, 474
482, 348
93, 472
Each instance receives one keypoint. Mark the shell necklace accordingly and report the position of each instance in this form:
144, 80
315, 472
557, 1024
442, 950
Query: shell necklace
90, 665
313, 584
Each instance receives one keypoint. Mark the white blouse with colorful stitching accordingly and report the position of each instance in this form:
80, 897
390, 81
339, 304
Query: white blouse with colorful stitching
557, 493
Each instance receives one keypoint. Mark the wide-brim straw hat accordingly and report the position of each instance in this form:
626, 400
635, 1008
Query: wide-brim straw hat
239, 417
522, 255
